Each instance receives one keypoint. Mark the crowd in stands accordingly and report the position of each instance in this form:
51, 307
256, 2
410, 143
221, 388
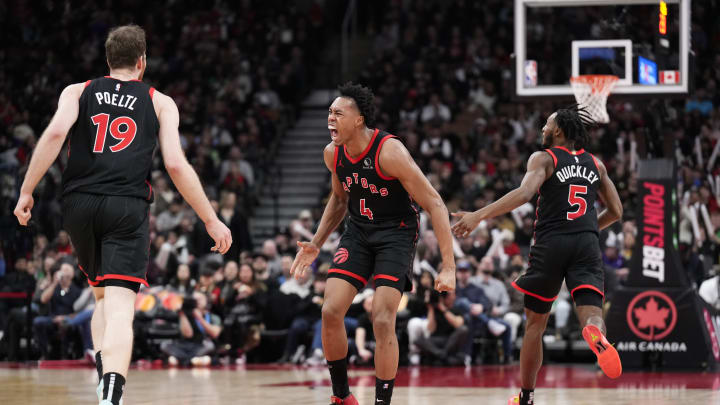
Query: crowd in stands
442, 84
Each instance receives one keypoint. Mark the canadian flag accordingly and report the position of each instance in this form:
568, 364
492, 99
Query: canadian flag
669, 77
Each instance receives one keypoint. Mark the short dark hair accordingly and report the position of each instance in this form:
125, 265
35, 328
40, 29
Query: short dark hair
124, 45
364, 100
574, 121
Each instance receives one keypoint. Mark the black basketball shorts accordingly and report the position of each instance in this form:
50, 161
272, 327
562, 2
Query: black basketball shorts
381, 252
575, 258
111, 236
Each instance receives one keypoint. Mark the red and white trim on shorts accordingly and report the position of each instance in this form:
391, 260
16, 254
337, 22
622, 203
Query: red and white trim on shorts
349, 274
526, 292
587, 287
386, 277
98, 279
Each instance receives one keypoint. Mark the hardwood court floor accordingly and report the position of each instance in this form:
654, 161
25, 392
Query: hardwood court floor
560, 385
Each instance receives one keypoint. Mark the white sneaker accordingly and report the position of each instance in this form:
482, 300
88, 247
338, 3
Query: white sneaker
496, 328
317, 358
201, 361
99, 390
415, 359
241, 360
172, 361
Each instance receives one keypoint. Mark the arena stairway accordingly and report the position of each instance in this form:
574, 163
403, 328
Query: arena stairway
298, 173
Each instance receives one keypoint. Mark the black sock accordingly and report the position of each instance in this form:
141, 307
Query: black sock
339, 377
383, 391
98, 365
113, 384
527, 397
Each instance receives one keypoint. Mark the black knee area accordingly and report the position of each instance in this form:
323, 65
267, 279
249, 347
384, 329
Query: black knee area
537, 305
587, 296
131, 285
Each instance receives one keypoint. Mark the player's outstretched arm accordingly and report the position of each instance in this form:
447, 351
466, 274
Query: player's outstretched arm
540, 167
335, 211
183, 175
397, 162
48, 147
609, 196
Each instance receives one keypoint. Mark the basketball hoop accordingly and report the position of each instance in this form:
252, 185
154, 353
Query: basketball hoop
591, 92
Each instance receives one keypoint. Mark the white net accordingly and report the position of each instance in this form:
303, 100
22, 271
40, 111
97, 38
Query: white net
591, 92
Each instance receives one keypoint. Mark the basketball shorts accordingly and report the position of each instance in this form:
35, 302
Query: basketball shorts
111, 236
381, 252
575, 258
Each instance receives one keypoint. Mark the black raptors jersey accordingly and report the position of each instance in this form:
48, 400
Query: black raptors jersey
566, 201
111, 145
374, 197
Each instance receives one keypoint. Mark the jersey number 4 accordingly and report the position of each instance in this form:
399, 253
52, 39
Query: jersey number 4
365, 211
575, 199
121, 128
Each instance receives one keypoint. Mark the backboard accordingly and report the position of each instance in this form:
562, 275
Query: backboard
646, 43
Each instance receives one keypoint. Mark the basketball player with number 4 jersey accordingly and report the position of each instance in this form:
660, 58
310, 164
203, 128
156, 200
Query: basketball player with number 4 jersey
113, 125
375, 179
567, 181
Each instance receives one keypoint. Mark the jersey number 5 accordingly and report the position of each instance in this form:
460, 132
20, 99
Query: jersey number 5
365, 211
124, 135
575, 199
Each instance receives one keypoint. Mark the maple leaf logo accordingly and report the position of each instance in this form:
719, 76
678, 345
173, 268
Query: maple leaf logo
652, 316
654, 312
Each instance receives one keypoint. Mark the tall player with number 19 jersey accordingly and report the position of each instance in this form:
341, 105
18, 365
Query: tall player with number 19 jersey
375, 179
568, 181
113, 125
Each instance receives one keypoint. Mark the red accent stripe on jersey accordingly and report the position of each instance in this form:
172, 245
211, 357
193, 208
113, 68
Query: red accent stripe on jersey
367, 149
152, 92
540, 297
347, 273
93, 283
574, 153
588, 287
377, 158
150, 189
87, 83
122, 277
386, 277
597, 166
553, 156
335, 159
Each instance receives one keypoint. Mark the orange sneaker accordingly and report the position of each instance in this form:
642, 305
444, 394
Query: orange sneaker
349, 400
607, 356
514, 400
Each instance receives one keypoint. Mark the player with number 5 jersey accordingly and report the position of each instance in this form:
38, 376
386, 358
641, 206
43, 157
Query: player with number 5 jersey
567, 181
377, 182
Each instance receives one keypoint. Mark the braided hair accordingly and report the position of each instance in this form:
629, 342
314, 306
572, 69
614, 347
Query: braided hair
574, 121
364, 100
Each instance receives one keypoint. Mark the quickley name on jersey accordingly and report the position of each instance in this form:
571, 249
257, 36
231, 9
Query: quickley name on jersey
111, 145
566, 200
374, 197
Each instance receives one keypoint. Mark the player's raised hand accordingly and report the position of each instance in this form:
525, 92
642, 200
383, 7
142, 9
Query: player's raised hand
304, 258
445, 281
467, 223
220, 234
23, 208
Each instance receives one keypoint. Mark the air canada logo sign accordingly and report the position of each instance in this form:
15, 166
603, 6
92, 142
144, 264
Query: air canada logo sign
652, 316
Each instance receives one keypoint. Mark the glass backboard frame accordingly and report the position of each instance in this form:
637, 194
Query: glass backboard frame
521, 90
